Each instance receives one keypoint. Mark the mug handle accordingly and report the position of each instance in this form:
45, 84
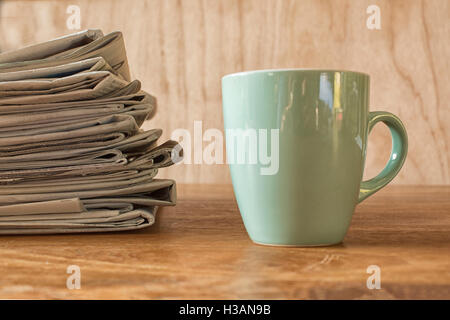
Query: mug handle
398, 153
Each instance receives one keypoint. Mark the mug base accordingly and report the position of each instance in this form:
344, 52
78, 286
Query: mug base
296, 245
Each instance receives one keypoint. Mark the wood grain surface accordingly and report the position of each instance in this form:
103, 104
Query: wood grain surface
200, 250
180, 49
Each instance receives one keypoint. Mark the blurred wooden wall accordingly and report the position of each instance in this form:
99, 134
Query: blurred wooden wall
181, 49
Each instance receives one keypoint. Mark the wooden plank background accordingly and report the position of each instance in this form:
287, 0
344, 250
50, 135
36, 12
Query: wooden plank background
181, 49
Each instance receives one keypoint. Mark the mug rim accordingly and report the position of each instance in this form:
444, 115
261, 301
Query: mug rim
250, 72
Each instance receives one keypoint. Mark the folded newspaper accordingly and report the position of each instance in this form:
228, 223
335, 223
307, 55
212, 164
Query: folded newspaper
73, 157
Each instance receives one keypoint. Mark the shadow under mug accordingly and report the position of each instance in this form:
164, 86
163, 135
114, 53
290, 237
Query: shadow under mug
296, 142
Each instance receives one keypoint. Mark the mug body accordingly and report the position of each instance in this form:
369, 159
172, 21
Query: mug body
296, 142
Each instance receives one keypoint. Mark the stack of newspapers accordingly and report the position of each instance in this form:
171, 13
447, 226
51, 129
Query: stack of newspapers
72, 155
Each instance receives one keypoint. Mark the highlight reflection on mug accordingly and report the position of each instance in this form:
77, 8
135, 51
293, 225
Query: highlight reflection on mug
247, 146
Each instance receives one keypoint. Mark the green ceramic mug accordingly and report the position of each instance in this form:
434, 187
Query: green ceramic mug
296, 142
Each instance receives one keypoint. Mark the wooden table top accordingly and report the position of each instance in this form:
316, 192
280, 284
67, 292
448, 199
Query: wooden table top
200, 250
